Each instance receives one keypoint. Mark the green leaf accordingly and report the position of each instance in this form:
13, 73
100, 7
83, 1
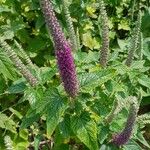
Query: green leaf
90, 42
6, 32
91, 80
39, 22
34, 96
56, 107
122, 44
86, 58
108, 147
37, 140
17, 87
145, 81
146, 46
138, 64
124, 24
132, 145
5, 9
47, 73
17, 113
24, 134
142, 140
31, 117
86, 130
6, 67
7, 123
65, 128
36, 44
104, 130
61, 147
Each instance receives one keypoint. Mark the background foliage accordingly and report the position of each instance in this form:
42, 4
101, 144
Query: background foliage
44, 117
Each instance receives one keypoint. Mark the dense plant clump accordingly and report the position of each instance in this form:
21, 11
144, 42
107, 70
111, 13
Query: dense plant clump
74, 75
63, 50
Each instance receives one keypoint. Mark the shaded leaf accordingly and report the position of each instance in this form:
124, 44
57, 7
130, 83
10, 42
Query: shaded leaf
86, 130
31, 117
56, 107
17, 87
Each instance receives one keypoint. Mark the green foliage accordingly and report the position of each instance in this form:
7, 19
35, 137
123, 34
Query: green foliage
85, 129
6, 69
43, 116
8, 143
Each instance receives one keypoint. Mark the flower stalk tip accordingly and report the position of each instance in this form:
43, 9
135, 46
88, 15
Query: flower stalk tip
63, 53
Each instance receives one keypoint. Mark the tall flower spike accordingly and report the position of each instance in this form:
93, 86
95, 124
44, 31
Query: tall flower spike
65, 59
140, 46
118, 104
78, 38
134, 41
18, 63
105, 34
24, 55
70, 25
123, 137
117, 107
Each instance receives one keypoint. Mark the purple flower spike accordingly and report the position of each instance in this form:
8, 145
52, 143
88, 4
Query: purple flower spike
65, 59
123, 137
53, 24
67, 70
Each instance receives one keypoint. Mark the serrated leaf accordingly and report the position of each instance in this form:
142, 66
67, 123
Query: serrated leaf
89, 41
6, 67
47, 73
103, 133
94, 79
56, 107
17, 113
142, 140
132, 145
17, 87
33, 96
138, 64
31, 116
24, 134
124, 25
6, 32
86, 130
122, 44
145, 81
146, 46
108, 147
7, 123
65, 128
37, 140
91, 11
